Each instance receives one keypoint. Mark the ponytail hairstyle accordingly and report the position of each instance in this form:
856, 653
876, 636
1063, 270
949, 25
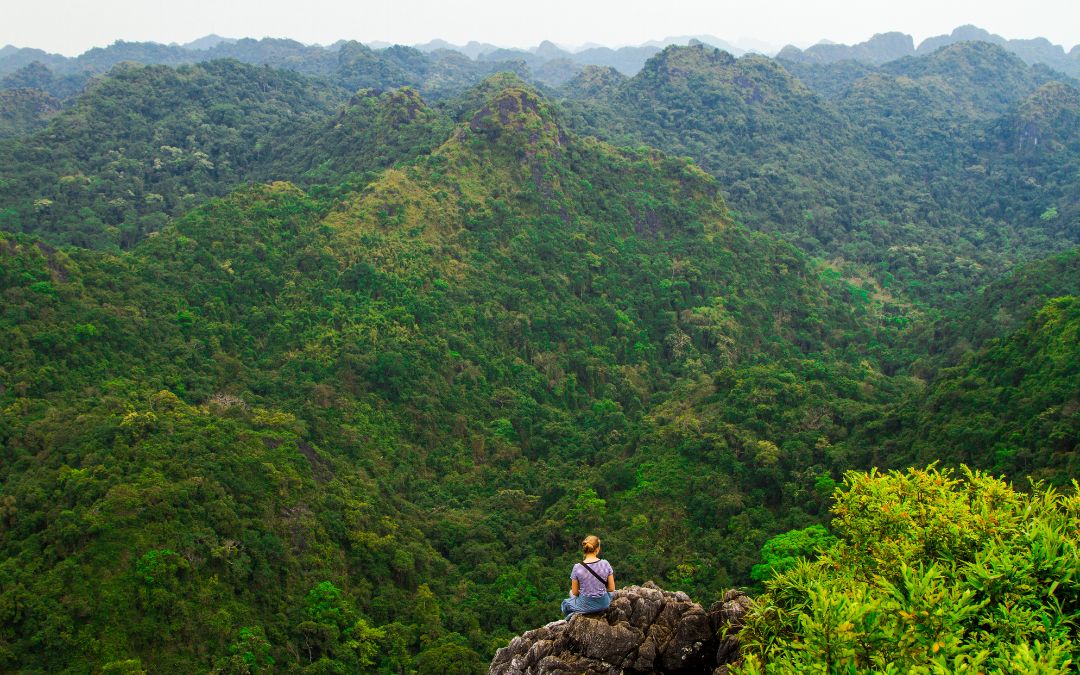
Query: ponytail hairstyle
590, 544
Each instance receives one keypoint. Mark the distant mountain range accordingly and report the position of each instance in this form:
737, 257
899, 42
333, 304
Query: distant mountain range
549, 63
885, 47
208, 42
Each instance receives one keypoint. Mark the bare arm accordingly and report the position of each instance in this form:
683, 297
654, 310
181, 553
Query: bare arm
575, 588
610, 582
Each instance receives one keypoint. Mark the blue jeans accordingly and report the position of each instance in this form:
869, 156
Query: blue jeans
584, 604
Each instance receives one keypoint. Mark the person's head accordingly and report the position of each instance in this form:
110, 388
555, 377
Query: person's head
590, 544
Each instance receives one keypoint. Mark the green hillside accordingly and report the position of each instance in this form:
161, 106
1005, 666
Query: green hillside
332, 374
899, 170
147, 143
23, 111
414, 393
1012, 406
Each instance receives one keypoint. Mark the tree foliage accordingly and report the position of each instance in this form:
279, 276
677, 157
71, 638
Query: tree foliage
933, 571
361, 420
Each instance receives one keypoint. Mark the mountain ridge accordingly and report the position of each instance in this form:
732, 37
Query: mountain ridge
757, 125
371, 370
886, 47
628, 59
331, 372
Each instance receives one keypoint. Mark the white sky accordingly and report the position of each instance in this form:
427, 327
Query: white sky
72, 26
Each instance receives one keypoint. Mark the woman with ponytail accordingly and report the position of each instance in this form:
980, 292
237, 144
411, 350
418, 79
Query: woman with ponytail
591, 581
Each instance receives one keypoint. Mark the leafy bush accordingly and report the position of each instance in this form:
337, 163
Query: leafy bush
931, 573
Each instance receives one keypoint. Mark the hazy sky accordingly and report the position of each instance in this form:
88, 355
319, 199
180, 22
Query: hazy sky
71, 26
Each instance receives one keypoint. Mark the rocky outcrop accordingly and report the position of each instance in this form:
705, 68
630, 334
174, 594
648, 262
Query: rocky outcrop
646, 630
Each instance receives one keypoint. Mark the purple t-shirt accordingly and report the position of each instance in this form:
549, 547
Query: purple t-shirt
588, 585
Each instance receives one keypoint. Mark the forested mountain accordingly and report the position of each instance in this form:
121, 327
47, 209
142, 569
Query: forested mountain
23, 111
349, 64
38, 76
1035, 50
747, 121
326, 367
372, 131
881, 48
885, 47
460, 332
906, 170
1002, 306
563, 63
1018, 396
146, 143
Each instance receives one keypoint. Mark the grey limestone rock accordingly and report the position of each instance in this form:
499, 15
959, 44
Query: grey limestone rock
645, 630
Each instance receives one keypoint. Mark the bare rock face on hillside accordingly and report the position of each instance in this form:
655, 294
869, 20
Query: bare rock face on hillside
646, 630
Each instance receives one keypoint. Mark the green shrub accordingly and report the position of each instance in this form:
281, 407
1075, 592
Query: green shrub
931, 573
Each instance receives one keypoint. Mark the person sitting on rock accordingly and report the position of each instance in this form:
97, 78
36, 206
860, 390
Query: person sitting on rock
591, 582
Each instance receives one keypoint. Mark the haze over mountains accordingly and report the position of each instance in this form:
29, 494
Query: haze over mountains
323, 359
885, 47
627, 59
